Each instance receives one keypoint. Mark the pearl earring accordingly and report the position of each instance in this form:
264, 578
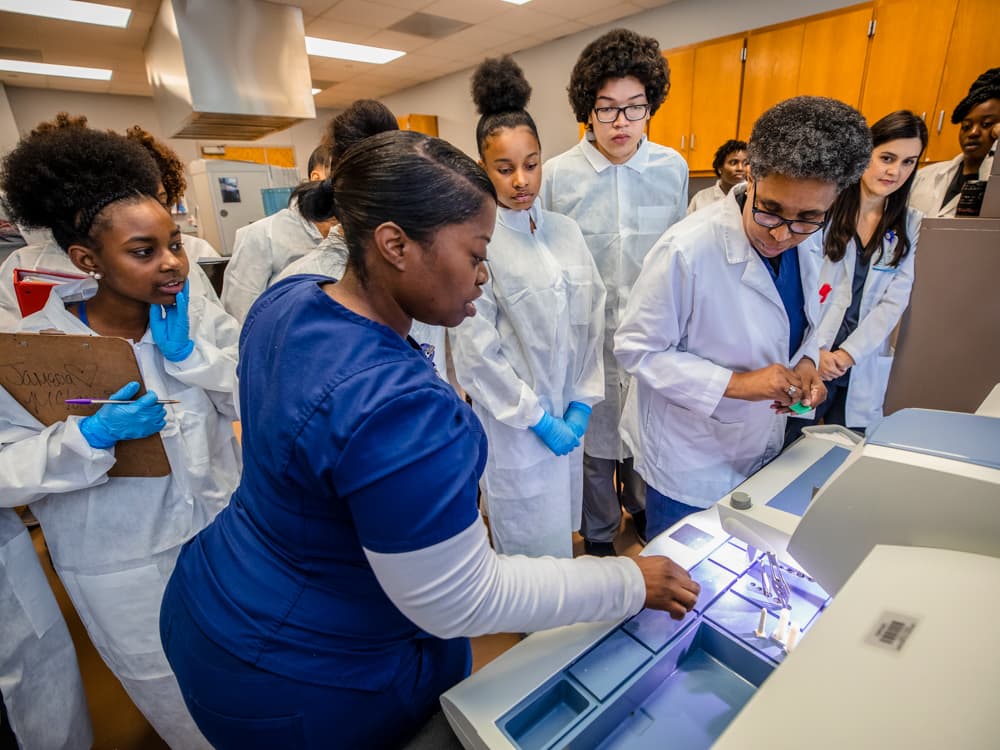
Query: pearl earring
96, 275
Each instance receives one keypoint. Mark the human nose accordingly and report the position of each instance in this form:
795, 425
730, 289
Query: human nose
780, 233
170, 261
620, 117
519, 179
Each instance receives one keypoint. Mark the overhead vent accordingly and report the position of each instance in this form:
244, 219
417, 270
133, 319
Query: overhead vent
428, 26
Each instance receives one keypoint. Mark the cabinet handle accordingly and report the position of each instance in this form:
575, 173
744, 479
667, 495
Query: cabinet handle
683, 139
923, 116
692, 141
940, 121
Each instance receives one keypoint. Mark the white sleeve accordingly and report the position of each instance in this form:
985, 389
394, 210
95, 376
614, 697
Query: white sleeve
249, 270
461, 587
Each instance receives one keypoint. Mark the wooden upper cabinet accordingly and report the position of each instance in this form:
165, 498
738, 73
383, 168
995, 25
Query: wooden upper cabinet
426, 124
772, 71
715, 99
973, 49
834, 47
907, 56
671, 125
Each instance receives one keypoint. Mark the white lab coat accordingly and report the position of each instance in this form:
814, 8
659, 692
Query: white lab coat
885, 297
260, 252
114, 540
533, 346
50, 257
622, 210
703, 308
706, 197
932, 181
42, 689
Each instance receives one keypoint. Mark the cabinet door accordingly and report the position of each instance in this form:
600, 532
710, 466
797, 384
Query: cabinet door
972, 51
833, 55
715, 99
671, 125
907, 55
772, 72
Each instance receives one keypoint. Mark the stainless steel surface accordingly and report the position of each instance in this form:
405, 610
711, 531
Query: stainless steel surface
232, 69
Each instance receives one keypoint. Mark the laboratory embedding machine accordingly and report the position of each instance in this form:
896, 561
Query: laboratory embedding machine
927, 482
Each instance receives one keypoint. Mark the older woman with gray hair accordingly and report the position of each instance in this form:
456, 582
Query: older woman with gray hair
719, 332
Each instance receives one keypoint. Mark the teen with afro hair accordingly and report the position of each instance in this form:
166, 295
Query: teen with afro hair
730, 165
624, 192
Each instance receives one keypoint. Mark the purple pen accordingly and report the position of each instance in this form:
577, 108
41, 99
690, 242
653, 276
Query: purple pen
88, 401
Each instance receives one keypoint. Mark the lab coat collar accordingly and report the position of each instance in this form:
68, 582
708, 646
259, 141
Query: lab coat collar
520, 220
600, 162
310, 228
55, 315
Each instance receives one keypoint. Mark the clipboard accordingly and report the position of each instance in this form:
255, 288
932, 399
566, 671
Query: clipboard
42, 370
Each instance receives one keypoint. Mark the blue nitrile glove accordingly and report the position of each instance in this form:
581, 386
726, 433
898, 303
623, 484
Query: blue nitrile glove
577, 416
556, 434
171, 328
114, 422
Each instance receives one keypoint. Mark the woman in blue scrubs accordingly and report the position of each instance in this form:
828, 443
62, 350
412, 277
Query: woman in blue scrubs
329, 605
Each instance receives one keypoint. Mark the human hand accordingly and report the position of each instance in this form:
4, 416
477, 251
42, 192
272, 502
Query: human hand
171, 327
556, 434
668, 586
774, 382
829, 368
114, 422
577, 416
844, 360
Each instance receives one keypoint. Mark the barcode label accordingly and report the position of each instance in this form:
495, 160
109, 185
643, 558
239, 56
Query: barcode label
891, 631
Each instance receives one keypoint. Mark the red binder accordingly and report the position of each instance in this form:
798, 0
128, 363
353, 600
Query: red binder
32, 287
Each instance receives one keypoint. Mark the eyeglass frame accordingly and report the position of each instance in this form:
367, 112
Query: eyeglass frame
782, 221
621, 111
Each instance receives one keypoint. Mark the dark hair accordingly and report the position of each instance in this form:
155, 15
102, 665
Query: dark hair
844, 213
723, 152
61, 120
169, 164
320, 157
618, 54
501, 93
62, 178
984, 88
363, 119
811, 138
418, 182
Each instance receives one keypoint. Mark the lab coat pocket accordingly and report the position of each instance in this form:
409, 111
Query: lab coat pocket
27, 579
580, 288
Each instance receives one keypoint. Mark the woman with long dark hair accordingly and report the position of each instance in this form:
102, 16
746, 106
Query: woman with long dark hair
875, 235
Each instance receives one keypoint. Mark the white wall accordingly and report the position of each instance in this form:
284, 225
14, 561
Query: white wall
31, 106
547, 67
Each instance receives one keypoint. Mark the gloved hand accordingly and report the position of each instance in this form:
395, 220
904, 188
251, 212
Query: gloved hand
577, 416
556, 434
171, 328
114, 422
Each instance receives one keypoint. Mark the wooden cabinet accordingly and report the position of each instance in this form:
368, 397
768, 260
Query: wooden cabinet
671, 125
772, 72
972, 50
426, 124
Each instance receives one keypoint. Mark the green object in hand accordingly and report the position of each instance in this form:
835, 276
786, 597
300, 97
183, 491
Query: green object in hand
798, 408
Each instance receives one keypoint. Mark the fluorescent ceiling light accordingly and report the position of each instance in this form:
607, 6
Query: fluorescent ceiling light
517, 2
70, 10
316, 91
63, 71
346, 51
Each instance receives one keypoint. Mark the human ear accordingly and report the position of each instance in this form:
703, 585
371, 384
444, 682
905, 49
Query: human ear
83, 258
392, 244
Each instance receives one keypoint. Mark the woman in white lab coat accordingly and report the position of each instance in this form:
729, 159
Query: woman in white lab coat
719, 332
114, 540
530, 358
869, 244
937, 187
730, 165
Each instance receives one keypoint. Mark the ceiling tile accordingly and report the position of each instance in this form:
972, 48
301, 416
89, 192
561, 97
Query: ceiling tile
466, 10
571, 9
514, 45
525, 20
473, 40
340, 31
395, 40
364, 12
612, 13
411, 5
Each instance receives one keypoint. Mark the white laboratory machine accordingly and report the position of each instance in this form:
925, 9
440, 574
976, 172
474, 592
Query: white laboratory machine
872, 567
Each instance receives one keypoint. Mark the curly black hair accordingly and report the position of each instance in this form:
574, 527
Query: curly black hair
62, 178
362, 119
500, 92
170, 165
61, 120
812, 138
984, 88
618, 54
722, 153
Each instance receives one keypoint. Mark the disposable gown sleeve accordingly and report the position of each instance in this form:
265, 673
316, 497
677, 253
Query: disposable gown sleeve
248, 272
211, 366
483, 370
461, 587
655, 323
36, 461
874, 328
588, 381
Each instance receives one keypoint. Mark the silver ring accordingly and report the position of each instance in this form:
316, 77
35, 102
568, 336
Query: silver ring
791, 390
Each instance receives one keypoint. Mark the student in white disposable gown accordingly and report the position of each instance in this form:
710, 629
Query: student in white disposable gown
114, 540
937, 187
623, 192
869, 244
39, 676
719, 332
264, 248
530, 358
730, 165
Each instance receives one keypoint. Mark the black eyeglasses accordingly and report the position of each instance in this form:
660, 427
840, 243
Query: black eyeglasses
632, 113
773, 221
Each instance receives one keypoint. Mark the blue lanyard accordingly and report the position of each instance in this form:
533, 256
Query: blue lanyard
81, 308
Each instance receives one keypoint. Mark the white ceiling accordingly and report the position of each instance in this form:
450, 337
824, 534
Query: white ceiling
496, 28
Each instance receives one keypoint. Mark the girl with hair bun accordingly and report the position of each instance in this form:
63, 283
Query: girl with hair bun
531, 358
114, 539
